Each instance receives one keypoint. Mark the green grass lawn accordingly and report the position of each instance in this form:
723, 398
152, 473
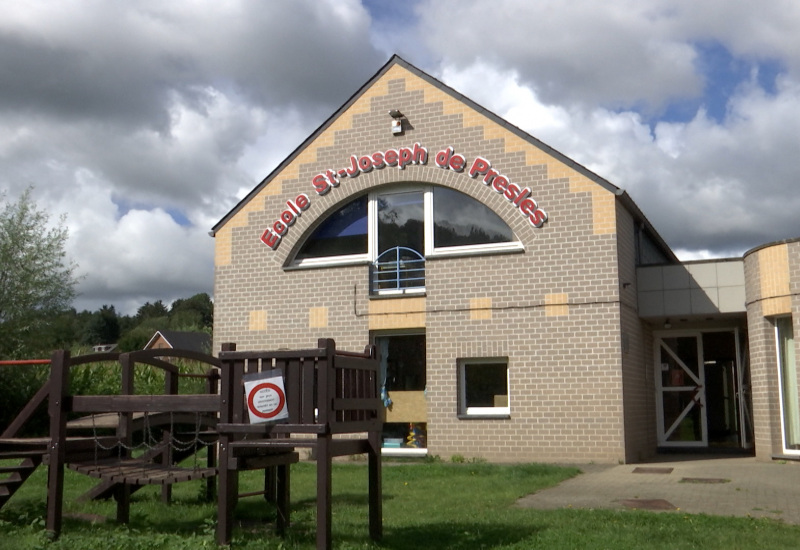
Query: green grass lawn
426, 505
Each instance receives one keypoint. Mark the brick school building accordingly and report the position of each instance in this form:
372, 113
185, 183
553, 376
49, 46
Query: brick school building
524, 307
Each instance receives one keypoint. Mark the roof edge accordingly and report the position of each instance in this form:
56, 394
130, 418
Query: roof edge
770, 244
395, 59
625, 198
154, 337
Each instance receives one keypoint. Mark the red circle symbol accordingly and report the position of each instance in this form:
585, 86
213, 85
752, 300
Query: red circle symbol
266, 386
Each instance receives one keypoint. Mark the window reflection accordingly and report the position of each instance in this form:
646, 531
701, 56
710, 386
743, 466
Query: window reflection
460, 220
343, 233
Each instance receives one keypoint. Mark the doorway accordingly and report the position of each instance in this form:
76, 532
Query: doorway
702, 389
403, 382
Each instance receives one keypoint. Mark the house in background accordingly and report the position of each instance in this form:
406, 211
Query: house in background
173, 339
103, 348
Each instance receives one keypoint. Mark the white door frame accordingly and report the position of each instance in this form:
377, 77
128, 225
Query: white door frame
696, 385
741, 390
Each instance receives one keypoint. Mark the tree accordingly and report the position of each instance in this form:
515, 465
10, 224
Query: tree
37, 282
103, 327
151, 311
195, 313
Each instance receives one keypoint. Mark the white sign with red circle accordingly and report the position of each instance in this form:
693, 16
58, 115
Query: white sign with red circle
266, 398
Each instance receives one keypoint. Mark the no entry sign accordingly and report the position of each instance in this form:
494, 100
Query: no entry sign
265, 396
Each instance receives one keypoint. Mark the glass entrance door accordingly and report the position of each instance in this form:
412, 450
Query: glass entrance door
703, 390
682, 396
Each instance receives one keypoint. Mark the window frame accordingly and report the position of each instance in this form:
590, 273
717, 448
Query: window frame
465, 412
430, 252
779, 343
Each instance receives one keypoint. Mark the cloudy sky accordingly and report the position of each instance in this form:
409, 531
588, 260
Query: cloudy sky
146, 121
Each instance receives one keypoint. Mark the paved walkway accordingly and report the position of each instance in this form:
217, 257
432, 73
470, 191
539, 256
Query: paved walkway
726, 486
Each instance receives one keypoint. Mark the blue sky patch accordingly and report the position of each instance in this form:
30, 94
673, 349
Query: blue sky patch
723, 74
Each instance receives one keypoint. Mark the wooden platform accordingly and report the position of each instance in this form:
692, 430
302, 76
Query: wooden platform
12, 447
138, 472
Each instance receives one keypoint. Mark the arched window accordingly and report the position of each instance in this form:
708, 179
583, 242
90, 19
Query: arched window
343, 233
430, 220
460, 220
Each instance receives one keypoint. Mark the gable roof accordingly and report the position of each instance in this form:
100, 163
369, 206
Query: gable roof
194, 341
396, 60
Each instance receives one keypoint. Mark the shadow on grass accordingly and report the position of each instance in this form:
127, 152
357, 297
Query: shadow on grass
453, 535
442, 536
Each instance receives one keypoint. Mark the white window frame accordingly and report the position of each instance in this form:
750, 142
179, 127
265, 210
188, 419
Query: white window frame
482, 412
430, 251
466, 250
780, 368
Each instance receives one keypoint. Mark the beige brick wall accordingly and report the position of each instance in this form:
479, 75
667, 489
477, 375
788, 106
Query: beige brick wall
772, 283
636, 344
553, 310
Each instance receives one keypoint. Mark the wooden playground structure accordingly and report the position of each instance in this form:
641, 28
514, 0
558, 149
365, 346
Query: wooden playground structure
329, 404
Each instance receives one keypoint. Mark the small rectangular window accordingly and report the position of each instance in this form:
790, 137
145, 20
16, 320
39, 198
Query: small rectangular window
483, 387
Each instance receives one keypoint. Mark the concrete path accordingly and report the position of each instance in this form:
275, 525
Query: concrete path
725, 486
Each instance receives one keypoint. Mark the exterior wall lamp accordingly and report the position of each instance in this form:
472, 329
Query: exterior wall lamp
397, 121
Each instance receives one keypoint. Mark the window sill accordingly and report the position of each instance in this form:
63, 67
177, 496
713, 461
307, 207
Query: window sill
384, 294
465, 251
404, 452
500, 416
341, 261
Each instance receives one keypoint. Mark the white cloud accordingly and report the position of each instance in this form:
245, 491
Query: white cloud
122, 114
704, 185
618, 54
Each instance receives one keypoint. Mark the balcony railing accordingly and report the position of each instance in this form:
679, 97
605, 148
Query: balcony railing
398, 270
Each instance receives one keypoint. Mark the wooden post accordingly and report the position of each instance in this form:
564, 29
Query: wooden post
212, 387
375, 487
271, 484
324, 490
227, 492
122, 493
325, 392
170, 388
59, 388
283, 500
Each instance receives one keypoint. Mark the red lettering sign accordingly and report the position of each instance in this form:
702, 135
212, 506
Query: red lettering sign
446, 159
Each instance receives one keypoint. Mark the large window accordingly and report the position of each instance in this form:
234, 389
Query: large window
428, 220
343, 234
483, 387
790, 401
460, 220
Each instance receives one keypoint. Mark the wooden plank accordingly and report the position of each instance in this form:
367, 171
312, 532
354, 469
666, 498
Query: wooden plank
145, 403
352, 363
345, 447
135, 472
261, 462
309, 372
353, 404
276, 445
354, 427
272, 354
293, 386
144, 356
265, 429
